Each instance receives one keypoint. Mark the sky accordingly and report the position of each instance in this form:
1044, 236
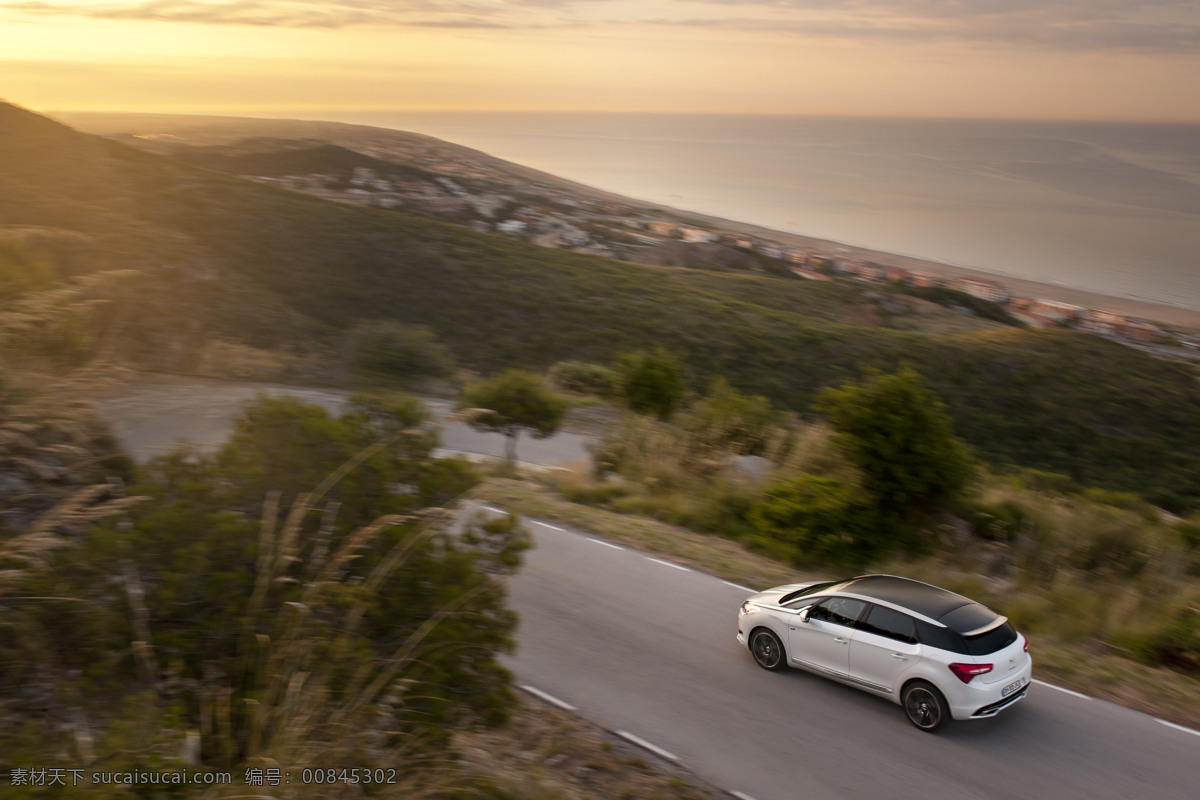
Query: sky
1070, 59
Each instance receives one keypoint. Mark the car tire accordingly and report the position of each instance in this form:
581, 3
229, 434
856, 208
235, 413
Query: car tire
767, 650
925, 706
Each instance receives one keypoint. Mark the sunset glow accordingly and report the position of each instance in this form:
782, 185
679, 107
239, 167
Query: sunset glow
1103, 59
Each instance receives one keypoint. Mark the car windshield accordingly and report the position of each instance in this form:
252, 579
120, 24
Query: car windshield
814, 589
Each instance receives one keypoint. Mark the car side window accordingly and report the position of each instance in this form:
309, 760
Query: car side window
888, 622
838, 610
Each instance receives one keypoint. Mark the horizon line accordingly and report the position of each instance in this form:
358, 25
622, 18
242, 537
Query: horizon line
304, 113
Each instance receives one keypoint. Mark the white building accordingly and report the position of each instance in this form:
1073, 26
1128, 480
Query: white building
983, 289
696, 235
511, 227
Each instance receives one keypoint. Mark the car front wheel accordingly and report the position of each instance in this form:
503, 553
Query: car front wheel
925, 706
767, 649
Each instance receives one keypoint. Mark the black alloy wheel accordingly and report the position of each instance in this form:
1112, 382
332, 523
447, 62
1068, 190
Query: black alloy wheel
767, 649
925, 706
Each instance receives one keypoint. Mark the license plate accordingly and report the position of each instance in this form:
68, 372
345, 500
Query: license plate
1012, 687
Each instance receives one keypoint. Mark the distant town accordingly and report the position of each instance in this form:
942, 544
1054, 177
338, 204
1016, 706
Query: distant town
490, 199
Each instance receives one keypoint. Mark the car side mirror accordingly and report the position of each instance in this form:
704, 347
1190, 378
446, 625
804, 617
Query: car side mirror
804, 613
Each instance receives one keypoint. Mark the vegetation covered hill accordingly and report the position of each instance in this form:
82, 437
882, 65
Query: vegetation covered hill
217, 257
274, 157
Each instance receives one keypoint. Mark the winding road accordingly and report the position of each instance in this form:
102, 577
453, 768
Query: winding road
646, 648
153, 415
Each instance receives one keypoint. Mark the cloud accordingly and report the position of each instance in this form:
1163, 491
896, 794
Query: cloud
1162, 26
294, 13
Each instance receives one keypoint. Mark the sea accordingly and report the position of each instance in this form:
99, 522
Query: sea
1109, 207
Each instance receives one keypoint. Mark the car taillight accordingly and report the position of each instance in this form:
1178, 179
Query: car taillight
1027, 644
964, 672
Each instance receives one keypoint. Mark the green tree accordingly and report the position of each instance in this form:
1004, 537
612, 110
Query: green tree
390, 349
900, 438
286, 445
815, 520
346, 620
729, 420
511, 402
651, 382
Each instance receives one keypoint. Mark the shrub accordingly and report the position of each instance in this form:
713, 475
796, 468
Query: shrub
584, 377
1179, 642
341, 623
727, 420
651, 382
900, 437
999, 522
391, 349
816, 520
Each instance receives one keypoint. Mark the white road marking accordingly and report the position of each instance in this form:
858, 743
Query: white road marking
606, 544
549, 698
669, 564
547, 525
741, 796
658, 751
493, 509
738, 586
1060, 689
1177, 727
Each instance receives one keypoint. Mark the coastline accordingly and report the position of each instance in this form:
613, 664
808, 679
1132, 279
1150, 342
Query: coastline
1175, 316
384, 142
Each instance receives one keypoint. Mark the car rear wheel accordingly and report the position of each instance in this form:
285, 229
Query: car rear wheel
925, 706
767, 649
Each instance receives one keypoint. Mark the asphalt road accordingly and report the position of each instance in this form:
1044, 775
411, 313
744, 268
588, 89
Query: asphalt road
648, 648
153, 415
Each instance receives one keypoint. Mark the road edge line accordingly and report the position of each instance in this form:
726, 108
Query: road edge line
1061, 689
606, 544
1177, 727
642, 743
669, 564
549, 698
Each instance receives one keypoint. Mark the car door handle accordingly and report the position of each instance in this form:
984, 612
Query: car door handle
839, 640
900, 657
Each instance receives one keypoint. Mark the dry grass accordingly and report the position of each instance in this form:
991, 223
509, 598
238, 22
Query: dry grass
1095, 670
712, 554
547, 754
33, 548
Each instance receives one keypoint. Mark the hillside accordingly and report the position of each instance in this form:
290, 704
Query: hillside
277, 157
256, 266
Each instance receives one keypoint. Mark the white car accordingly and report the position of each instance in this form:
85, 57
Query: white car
934, 652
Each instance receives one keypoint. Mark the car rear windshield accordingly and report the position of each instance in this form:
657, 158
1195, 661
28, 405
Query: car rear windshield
980, 645
973, 617
991, 641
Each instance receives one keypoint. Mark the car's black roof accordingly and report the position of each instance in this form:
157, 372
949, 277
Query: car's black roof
926, 600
